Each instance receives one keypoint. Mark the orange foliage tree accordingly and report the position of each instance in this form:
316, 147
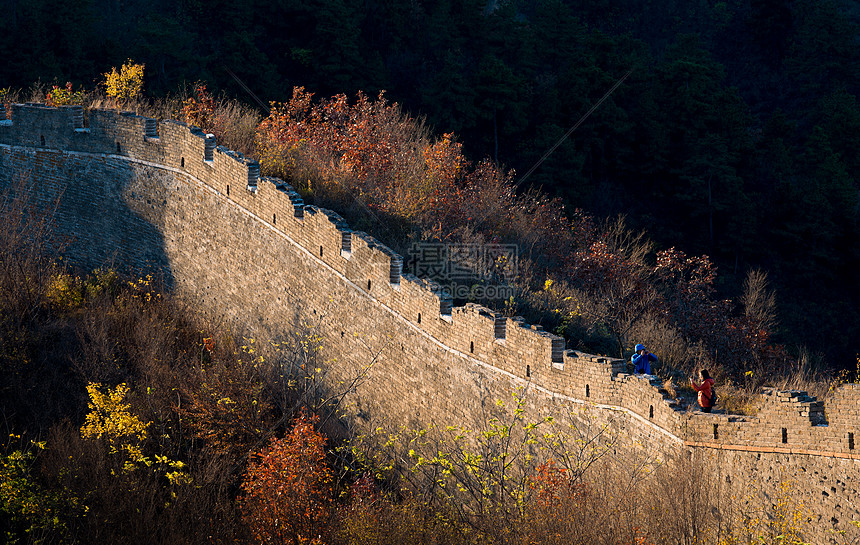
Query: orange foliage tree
199, 109
373, 152
370, 151
226, 405
287, 488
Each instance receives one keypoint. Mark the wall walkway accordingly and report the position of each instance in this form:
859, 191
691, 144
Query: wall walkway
162, 196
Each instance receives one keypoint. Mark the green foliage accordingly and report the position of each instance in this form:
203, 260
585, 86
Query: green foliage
65, 96
678, 148
28, 511
334, 151
102, 281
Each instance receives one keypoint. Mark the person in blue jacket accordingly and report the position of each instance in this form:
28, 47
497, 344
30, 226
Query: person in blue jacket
642, 360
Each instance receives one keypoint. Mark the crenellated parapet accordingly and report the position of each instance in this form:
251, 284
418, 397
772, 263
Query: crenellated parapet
787, 422
513, 345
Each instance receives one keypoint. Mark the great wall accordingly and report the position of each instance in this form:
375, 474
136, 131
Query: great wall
162, 196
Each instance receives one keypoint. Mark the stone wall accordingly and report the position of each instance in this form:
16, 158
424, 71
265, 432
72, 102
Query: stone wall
164, 198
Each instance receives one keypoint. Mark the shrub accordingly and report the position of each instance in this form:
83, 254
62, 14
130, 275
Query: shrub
64, 96
65, 291
125, 84
111, 419
233, 124
28, 511
199, 109
287, 488
7, 96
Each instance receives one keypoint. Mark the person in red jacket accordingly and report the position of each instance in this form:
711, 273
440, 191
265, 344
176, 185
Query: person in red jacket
705, 389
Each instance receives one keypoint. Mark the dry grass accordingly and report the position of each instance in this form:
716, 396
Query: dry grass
26, 243
632, 499
675, 352
8, 96
158, 108
129, 507
235, 123
809, 373
742, 401
238, 124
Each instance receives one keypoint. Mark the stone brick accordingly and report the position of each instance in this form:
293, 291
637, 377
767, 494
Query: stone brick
163, 198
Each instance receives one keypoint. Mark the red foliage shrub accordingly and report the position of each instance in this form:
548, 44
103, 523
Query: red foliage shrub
287, 488
370, 151
199, 109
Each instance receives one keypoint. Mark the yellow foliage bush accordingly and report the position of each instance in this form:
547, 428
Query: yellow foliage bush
69, 292
111, 418
64, 96
101, 281
65, 292
27, 505
784, 523
126, 83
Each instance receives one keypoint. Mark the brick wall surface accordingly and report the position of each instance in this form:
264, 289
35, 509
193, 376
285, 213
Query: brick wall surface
163, 198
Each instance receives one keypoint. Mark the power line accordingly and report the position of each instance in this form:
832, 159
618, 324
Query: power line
247, 89
570, 131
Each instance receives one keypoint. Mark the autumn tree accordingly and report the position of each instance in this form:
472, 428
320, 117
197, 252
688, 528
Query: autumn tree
227, 406
199, 108
111, 418
369, 157
689, 283
287, 489
610, 270
125, 84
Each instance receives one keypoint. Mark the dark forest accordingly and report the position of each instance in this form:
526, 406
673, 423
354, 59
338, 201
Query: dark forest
735, 135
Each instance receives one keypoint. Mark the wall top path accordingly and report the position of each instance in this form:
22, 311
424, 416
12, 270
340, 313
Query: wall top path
787, 422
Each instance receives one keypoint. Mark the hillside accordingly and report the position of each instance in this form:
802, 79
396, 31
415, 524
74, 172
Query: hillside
358, 336
729, 105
